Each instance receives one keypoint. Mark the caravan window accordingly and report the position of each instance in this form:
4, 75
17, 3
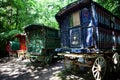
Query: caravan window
75, 19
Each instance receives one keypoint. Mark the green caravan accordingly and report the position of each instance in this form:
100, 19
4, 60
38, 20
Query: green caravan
41, 42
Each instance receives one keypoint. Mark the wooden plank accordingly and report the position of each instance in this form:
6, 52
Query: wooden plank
79, 55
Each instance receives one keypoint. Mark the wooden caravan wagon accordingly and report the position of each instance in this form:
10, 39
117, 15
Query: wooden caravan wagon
17, 46
41, 42
90, 37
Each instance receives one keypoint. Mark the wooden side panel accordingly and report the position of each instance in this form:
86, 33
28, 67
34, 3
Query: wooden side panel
103, 17
36, 41
65, 24
105, 38
52, 40
52, 43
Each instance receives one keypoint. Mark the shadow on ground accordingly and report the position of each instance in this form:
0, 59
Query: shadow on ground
15, 69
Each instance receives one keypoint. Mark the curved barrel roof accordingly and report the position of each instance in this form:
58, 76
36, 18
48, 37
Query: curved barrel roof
78, 5
72, 7
36, 27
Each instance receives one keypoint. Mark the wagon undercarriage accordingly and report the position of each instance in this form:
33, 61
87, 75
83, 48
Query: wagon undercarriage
97, 63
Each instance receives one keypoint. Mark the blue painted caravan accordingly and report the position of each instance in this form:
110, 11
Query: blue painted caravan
89, 37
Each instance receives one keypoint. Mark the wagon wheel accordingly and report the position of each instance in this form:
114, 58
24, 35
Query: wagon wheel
116, 60
48, 59
32, 59
99, 68
67, 64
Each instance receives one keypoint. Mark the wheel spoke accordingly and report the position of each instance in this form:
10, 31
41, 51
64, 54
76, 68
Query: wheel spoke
96, 62
98, 77
96, 74
94, 66
95, 71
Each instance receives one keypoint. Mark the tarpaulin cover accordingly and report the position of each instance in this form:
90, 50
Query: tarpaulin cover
15, 45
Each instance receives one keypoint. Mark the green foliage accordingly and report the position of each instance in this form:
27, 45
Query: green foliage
16, 14
46, 10
111, 5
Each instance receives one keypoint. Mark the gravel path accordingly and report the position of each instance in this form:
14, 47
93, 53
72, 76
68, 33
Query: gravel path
15, 69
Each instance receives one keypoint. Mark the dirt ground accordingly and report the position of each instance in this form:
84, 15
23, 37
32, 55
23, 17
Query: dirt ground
15, 69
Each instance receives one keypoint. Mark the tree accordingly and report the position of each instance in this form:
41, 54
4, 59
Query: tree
16, 14
111, 5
